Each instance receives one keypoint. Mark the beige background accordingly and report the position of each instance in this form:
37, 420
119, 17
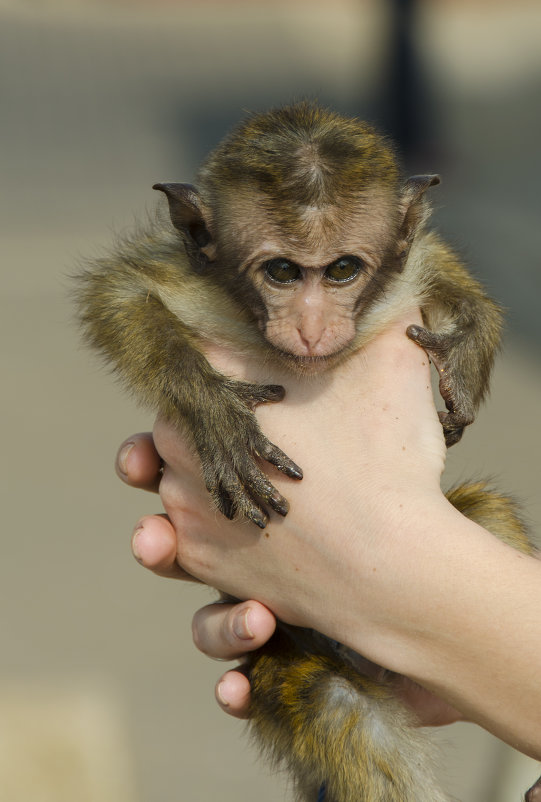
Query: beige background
102, 695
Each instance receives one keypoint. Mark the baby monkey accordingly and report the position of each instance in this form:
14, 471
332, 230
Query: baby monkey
299, 243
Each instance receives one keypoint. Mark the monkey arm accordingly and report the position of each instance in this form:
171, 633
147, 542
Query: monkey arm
158, 358
462, 333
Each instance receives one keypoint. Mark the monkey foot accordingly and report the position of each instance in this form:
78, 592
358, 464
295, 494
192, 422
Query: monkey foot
438, 348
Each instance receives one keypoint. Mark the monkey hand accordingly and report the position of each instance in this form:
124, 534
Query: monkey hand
230, 442
445, 356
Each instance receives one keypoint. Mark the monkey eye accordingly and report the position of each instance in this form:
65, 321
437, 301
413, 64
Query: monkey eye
344, 269
282, 271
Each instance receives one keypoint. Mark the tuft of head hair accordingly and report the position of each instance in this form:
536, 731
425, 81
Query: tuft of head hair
300, 155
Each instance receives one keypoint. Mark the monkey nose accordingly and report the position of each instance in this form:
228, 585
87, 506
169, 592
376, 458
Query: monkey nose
310, 339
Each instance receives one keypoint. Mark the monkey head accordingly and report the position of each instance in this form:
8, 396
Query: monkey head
301, 215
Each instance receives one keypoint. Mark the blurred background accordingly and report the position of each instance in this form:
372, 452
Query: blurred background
102, 695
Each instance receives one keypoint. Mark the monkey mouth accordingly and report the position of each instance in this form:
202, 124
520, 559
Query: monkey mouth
310, 364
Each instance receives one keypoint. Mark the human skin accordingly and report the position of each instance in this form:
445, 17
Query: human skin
229, 631
371, 553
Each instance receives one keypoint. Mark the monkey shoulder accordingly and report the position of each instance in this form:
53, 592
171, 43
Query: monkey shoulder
156, 255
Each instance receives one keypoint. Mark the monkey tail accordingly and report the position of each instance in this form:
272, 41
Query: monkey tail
334, 729
494, 511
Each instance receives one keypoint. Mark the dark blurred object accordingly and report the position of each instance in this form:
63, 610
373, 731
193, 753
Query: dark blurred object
406, 108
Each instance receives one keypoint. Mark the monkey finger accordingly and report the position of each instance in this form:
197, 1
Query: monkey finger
257, 516
270, 393
138, 463
223, 500
233, 499
271, 453
453, 427
254, 394
262, 488
227, 631
425, 338
154, 546
234, 502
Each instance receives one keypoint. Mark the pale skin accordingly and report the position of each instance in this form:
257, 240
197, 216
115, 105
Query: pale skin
371, 553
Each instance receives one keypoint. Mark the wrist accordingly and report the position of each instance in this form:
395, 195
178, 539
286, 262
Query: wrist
395, 574
451, 622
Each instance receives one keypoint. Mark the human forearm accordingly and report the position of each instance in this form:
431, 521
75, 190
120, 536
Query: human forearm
463, 623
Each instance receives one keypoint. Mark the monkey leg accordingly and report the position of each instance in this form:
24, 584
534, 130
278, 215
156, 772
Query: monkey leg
317, 716
461, 331
493, 511
160, 359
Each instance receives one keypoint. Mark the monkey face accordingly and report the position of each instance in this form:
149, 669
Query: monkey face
310, 309
308, 282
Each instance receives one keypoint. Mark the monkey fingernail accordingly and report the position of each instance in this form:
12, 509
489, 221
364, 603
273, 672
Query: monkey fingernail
258, 518
241, 625
294, 471
289, 468
279, 503
276, 392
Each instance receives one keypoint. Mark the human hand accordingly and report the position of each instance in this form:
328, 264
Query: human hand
227, 631
371, 446
217, 627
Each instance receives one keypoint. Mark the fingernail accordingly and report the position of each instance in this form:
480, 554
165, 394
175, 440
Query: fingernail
241, 625
134, 545
123, 458
220, 693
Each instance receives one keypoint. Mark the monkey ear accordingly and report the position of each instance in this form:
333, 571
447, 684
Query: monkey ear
418, 184
415, 208
187, 216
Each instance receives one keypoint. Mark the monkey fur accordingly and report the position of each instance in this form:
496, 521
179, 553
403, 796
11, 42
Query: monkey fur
300, 243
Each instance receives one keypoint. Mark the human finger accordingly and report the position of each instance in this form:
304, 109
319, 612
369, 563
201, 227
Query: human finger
154, 546
233, 694
138, 463
227, 631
